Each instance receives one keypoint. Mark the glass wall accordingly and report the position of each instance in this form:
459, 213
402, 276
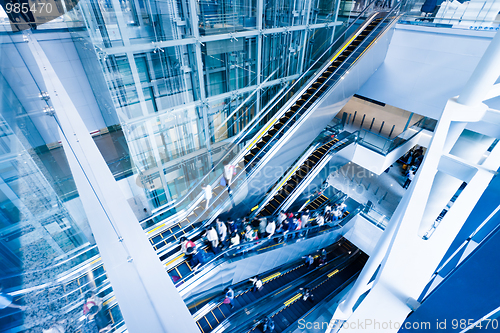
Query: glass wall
218, 17
48, 257
184, 81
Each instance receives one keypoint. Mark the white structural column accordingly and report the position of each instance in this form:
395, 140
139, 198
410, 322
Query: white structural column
146, 295
414, 243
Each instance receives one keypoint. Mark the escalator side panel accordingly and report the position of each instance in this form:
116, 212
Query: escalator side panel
312, 124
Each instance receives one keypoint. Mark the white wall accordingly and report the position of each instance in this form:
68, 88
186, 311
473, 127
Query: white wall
426, 66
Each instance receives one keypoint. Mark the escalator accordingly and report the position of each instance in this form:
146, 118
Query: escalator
285, 305
275, 281
275, 203
317, 203
279, 129
287, 189
311, 237
295, 307
338, 65
67, 292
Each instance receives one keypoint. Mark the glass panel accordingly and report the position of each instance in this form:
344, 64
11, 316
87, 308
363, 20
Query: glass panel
218, 17
45, 233
229, 64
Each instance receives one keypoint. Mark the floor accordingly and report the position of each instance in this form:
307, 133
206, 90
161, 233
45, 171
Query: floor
384, 191
389, 115
113, 147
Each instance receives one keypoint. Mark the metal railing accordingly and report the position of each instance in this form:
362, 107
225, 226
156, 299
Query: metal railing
258, 122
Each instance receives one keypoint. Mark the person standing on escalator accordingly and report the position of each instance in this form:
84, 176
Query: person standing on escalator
268, 325
304, 218
262, 227
270, 229
250, 234
307, 295
207, 189
196, 258
222, 231
213, 239
229, 297
229, 172
320, 220
309, 261
185, 244
257, 283
231, 226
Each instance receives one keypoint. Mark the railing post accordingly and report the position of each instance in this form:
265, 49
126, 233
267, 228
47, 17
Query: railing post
362, 121
371, 125
392, 129
354, 118
381, 126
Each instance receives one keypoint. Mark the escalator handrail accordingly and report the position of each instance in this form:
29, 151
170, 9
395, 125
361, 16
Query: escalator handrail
175, 204
249, 245
314, 145
345, 262
296, 116
331, 150
196, 232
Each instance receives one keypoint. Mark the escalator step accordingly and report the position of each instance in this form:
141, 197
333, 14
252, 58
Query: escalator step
212, 320
184, 269
288, 316
204, 326
238, 303
280, 325
219, 313
245, 299
295, 309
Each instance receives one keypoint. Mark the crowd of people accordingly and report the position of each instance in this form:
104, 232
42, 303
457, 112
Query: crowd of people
222, 235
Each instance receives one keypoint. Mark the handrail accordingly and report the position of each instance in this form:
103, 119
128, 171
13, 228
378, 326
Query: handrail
242, 248
285, 125
328, 153
297, 113
163, 210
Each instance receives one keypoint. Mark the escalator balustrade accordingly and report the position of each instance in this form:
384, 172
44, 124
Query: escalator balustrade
296, 307
273, 283
301, 172
315, 91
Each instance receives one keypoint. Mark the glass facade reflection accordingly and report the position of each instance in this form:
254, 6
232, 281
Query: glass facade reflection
179, 71
164, 87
